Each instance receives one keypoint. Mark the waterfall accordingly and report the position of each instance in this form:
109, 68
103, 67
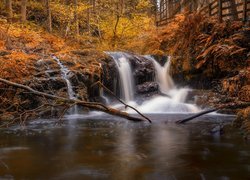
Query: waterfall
174, 102
163, 77
126, 77
166, 82
64, 73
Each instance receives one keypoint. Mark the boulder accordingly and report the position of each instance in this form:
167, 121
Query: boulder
147, 87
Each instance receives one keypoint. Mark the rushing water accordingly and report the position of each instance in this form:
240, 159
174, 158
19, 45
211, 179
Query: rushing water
163, 77
64, 73
98, 146
172, 103
126, 77
110, 148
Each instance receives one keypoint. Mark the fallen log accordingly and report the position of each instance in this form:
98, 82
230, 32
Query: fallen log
90, 105
121, 101
231, 106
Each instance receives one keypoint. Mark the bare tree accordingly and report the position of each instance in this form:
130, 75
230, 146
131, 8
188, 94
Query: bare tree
48, 13
88, 17
9, 10
76, 17
23, 10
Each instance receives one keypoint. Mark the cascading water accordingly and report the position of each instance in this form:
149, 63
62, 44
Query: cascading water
163, 78
173, 102
126, 77
166, 82
64, 73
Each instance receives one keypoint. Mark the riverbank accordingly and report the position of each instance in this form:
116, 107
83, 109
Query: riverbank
26, 57
213, 56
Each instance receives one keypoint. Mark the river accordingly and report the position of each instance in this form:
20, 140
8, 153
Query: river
105, 147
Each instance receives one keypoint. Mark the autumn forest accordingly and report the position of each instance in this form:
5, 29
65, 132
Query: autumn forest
124, 89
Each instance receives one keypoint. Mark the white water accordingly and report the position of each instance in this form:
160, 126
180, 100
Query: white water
163, 78
166, 82
64, 73
126, 76
174, 102
106, 100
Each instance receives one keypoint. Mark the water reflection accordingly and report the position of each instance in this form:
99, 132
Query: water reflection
117, 149
125, 153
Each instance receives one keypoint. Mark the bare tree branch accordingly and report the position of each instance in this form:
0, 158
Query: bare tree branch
90, 105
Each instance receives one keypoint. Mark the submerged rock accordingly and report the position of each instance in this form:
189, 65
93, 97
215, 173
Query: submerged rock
147, 87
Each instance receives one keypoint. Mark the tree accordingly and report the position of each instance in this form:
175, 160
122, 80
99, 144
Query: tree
23, 10
88, 17
76, 17
48, 13
9, 10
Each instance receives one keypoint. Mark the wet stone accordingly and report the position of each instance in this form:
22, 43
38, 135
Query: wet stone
147, 87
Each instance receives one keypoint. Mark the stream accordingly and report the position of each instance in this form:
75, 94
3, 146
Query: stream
95, 145
105, 147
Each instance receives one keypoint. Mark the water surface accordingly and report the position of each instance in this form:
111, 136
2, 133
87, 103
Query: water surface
110, 148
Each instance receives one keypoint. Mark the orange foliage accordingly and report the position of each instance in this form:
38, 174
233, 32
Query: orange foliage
16, 66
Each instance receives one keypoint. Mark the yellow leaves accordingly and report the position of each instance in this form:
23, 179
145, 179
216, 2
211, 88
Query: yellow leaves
143, 4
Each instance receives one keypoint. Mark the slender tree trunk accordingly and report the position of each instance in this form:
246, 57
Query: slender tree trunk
9, 10
23, 10
49, 19
88, 17
76, 17
234, 10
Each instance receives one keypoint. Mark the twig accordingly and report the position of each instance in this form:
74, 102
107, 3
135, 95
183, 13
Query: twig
121, 101
232, 106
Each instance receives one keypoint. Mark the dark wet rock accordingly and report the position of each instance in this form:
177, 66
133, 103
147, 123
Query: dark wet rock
44, 84
217, 130
4, 53
69, 63
51, 73
110, 75
143, 69
147, 87
160, 59
85, 52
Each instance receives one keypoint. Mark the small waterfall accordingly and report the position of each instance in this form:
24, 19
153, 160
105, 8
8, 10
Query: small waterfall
64, 73
163, 77
126, 77
166, 82
174, 103
105, 99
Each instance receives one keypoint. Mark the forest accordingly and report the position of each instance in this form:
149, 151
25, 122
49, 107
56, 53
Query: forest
121, 89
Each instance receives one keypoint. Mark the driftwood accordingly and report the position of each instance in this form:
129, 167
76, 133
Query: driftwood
121, 101
90, 105
231, 106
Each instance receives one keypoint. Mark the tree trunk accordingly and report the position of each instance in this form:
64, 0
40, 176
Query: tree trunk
76, 17
88, 17
9, 10
234, 10
48, 13
23, 10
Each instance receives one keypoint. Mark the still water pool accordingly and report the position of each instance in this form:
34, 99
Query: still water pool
104, 147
